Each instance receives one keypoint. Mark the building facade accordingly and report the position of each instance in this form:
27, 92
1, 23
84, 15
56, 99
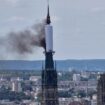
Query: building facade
101, 90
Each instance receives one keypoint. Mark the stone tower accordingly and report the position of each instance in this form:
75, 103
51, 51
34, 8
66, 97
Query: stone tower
101, 90
49, 73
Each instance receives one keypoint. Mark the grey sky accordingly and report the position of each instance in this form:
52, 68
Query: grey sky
79, 26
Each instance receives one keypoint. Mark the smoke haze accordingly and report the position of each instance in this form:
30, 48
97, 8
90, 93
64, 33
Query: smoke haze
23, 42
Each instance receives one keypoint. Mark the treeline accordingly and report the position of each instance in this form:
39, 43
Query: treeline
19, 73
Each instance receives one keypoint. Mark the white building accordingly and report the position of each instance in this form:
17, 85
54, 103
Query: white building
93, 102
34, 78
85, 74
16, 86
76, 77
16, 79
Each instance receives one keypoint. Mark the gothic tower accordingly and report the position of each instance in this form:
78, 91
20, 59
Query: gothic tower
49, 73
101, 90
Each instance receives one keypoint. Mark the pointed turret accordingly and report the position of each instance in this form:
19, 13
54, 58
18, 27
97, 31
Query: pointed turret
48, 20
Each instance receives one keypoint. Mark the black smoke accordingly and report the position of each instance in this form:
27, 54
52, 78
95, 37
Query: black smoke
25, 41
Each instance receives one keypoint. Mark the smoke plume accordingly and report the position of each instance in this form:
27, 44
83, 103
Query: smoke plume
24, 41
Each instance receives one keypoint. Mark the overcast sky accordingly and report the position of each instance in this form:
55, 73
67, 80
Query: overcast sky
79, 26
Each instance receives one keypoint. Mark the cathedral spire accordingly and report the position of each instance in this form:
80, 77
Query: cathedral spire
48, 20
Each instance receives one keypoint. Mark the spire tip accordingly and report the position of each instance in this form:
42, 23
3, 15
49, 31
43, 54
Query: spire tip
48, 20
